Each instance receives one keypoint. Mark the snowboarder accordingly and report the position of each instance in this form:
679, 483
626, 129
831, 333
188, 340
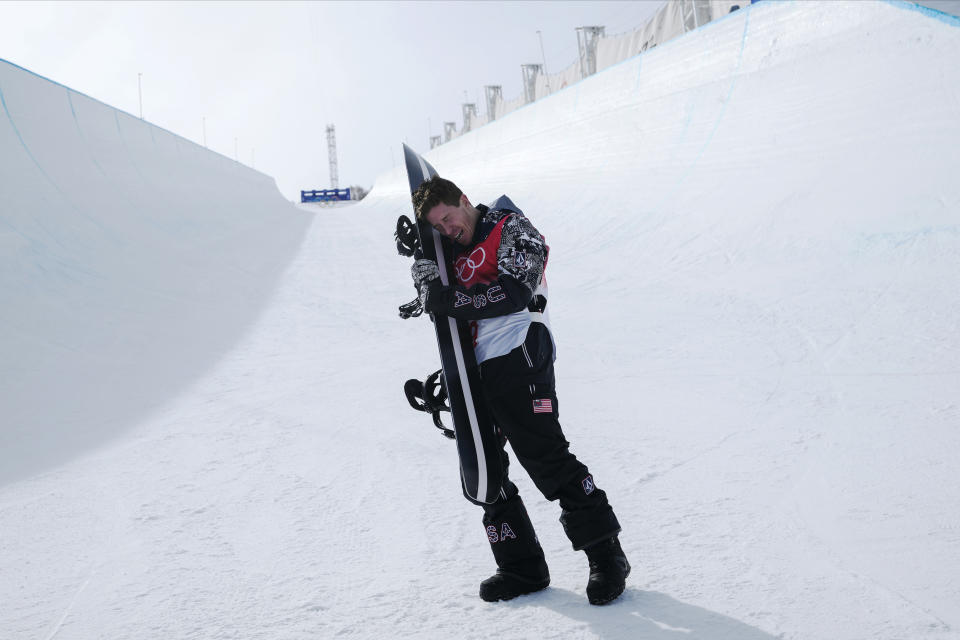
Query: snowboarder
499, 260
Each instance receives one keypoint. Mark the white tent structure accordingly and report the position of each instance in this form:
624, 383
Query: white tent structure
599, 50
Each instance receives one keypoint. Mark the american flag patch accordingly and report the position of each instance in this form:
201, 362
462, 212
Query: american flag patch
543, 406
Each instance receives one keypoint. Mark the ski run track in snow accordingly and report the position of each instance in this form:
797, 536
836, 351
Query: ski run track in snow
754, 281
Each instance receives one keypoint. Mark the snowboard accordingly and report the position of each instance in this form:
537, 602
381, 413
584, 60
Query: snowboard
478, 446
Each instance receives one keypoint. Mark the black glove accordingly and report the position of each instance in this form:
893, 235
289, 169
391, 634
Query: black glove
426, 276
423, 272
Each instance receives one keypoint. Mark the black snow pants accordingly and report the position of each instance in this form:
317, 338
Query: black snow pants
519, 389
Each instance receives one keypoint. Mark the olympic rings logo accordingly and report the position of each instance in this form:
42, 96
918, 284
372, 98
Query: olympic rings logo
472, 262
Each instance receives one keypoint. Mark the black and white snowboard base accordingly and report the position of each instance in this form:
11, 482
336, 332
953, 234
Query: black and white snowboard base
476, 436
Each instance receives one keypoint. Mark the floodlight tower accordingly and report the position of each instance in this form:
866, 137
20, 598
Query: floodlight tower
332, 155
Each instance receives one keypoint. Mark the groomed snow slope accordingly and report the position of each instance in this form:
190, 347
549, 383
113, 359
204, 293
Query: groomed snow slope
754, 237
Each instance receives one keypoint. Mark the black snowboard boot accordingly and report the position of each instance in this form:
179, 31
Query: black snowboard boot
506, 586
521, 567
608, 571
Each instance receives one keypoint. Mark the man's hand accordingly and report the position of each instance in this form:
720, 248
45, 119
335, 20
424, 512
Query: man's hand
426, 276
423, 272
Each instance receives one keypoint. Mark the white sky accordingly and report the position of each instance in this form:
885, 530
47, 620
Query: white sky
268, 77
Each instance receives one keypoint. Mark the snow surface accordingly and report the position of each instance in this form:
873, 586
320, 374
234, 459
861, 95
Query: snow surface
754, 244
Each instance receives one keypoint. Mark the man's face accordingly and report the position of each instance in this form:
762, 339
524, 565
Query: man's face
455, 223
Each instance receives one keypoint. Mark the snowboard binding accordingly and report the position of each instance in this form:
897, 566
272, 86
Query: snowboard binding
408, 244
406, 236
411, 309
430, 396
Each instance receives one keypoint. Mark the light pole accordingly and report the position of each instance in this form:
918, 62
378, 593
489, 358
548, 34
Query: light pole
140, 93
236, 150
204, 132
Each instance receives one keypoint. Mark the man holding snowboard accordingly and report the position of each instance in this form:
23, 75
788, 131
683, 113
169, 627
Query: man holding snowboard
499, 261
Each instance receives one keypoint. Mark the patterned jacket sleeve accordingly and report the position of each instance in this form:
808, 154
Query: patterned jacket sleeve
521, 259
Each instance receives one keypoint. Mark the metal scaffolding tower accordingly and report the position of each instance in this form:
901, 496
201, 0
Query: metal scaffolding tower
587, 38
494, 95
434, 142
694, 14
530, 73
469, 113
332, 155
449, 128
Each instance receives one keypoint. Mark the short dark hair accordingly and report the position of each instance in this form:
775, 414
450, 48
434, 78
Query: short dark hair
432, 192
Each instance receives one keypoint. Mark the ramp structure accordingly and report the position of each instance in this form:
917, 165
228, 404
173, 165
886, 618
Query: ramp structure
116, 240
